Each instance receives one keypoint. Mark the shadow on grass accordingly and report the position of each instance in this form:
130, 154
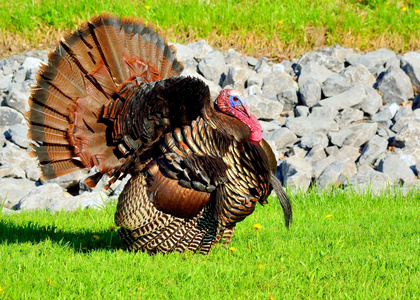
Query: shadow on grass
80, 241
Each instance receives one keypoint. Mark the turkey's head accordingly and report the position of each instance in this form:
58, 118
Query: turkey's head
231, 102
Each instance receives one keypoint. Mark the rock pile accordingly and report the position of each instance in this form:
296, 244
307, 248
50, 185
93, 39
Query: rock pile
333, 117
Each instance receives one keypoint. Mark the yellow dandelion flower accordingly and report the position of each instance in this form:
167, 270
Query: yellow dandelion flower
232, 249
259, 266
417, 11
257, 226
48, 281
328, 216
270, 297
281, 22
147, 7
404, 8
96, 237
1, 290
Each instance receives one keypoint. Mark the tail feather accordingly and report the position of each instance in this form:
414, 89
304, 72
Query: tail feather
82, 77
108, 34
283, 198
59, 168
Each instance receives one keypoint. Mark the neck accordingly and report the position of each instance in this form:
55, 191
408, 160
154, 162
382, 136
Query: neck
254, 125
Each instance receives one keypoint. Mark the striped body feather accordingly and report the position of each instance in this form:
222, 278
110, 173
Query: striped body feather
111, 97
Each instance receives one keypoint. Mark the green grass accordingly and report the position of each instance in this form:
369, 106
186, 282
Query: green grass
273, 28
369, 248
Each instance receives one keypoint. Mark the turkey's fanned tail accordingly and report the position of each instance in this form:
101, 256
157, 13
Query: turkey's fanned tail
82, 77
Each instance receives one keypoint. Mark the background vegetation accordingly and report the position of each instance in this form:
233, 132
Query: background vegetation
341, 245
277, 29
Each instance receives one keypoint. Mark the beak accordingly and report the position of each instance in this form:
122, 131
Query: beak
244, 107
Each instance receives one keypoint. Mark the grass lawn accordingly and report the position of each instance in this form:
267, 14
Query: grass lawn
341, 245
277, 29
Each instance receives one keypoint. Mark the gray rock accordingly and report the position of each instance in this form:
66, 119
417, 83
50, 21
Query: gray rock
301, 111
18, 100
353, 97
347, 152
374, 59
31, 63
296, 173
288, 97
314, 71
41, 197
310, 92
335, 85
16, 162
262, 66
368, 180
200, 49
305, 125
18, 134
395, 169
331, 150
263, 108
281, 137
319, 166
395, 86
339, 52
403, 112
270, 125
298, 151
354, 135
20, 76
359, 74
212, 66
254, 80
252, 61
237, 77
349, 116
5, 81
337, 173
328, 61
13, 189
372, 150
313, 139
317, 153
418, 168
409, 156
409, 135
9, 117
253, 90
89, 200
385, 115
324, 112
411, 61
373, 100
274, 85
414, 118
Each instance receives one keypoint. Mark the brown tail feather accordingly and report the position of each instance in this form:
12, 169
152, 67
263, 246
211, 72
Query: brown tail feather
82, 76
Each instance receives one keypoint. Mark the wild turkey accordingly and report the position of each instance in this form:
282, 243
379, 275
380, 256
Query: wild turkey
112, 97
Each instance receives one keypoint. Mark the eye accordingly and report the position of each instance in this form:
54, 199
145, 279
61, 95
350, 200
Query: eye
235, 98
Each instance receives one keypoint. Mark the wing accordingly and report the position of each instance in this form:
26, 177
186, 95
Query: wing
103, 97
